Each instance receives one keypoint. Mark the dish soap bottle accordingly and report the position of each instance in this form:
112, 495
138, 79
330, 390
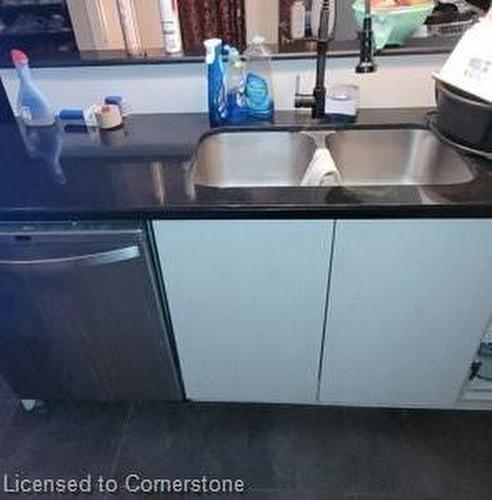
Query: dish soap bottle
237, 110
32, 106
259, 89
171, 27
217, 99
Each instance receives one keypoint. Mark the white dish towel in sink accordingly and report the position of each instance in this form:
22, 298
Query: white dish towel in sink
322, 170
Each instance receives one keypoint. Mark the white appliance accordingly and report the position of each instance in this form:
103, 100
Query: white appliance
469, 67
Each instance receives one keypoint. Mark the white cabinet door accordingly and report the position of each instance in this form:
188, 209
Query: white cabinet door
408, 303
247, 302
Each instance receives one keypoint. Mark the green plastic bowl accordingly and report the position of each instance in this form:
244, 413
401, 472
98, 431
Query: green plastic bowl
393, 26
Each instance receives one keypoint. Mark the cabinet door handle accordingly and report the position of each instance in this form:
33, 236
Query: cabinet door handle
66, 263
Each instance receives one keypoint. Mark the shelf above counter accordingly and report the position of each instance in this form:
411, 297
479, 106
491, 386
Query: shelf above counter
301, 50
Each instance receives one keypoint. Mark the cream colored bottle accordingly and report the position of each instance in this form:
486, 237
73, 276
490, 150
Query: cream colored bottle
128, 18
171, 27
298, 20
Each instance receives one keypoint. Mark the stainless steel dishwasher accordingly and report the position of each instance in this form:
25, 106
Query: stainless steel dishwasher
82, 314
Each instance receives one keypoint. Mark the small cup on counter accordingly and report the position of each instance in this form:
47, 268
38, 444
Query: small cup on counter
109, 117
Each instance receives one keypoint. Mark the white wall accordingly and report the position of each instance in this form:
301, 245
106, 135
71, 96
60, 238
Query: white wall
262, 18
400, 82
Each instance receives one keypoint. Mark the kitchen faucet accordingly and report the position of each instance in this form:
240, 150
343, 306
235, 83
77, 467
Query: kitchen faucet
366, 37
317, 100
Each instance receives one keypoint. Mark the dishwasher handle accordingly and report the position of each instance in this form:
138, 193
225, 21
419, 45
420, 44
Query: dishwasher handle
67, 263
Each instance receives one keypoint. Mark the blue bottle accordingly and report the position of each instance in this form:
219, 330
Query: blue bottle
217, 95
259, 87
32, 106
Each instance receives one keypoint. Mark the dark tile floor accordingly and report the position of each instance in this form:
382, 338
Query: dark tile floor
282, 453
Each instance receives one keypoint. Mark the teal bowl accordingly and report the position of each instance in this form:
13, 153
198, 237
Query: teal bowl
394, 26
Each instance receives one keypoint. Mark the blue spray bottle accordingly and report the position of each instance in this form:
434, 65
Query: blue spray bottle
32, 106
217, 95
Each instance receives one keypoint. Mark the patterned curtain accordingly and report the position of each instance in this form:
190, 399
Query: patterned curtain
202, 19
285, 6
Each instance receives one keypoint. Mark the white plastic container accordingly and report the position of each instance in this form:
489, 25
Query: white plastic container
171, 29
469, 67
342, 101
298, 20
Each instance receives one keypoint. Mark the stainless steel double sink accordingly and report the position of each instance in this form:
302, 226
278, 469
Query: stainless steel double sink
364, 157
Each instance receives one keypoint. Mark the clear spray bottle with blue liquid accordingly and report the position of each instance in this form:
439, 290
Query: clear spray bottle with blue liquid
259, 87
237, 108
32, 106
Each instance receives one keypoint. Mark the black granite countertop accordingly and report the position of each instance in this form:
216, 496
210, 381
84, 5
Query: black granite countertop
144, 172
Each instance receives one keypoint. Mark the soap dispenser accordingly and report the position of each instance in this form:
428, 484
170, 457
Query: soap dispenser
217, 105
259, 88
